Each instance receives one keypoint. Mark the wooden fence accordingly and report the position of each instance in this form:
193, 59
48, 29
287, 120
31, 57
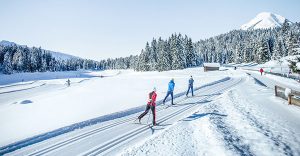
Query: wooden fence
293, 97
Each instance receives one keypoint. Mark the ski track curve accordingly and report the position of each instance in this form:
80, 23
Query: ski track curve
48, 135
104, 148
124, 137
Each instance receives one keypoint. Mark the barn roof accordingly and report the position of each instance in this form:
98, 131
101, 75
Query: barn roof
211, 64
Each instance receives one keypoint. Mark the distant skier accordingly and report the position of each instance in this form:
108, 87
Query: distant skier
171, 86
68, 82
261, 71
191, 82
150, 105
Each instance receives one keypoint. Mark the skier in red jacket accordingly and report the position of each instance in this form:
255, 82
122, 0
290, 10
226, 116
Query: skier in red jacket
261, 71
150, 105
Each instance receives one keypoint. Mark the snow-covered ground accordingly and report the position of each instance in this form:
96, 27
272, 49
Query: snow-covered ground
278, 70
245, 120
40, 106
275, 66
25, 78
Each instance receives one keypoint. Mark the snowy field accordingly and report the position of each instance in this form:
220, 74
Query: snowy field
45, 103
245, 120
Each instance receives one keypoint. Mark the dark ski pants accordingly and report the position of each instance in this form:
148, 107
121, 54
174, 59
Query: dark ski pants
169, 93
190, 87
146, 111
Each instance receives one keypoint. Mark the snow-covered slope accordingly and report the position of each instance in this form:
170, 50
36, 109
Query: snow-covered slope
264, 20
57, 55
61, 56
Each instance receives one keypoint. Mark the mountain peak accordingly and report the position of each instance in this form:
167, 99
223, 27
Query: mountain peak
264, 20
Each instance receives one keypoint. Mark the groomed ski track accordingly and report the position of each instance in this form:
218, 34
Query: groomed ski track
107, 138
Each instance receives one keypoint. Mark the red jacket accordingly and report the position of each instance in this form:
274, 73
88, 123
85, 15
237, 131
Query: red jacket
152, 101
261, 70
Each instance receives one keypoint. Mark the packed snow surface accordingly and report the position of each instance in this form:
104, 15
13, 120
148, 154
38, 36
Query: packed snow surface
53, 105
244, 120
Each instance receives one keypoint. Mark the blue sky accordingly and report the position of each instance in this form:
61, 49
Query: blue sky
113, 28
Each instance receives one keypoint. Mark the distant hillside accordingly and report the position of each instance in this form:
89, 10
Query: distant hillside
16, 58
57, 55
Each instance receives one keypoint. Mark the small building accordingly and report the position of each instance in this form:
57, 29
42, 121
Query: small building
211, 66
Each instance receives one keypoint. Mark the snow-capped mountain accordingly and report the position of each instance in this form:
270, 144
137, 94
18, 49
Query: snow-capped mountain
57, 55
264, 20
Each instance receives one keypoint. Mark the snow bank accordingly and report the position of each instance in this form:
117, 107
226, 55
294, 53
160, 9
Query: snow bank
287, 92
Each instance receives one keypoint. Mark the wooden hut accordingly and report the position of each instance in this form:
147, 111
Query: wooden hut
211, 66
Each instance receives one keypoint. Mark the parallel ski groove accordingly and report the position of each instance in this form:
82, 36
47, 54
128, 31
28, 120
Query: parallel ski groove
140, 130
89, 133
39, 138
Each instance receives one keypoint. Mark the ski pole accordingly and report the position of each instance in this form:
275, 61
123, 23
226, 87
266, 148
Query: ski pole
148, 117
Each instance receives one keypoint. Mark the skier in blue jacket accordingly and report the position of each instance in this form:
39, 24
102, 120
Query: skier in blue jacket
191, 83
171, 86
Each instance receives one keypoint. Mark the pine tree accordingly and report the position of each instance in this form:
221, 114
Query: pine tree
144, 61
190, 53
18, 60
153, 55
178, 56
7, 63
247, 55
264, 52
293, 44
164, 58
285, 27
238, 54
278, 50
293, 65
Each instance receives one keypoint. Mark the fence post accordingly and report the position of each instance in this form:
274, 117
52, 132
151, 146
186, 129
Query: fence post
275, 90
290, 99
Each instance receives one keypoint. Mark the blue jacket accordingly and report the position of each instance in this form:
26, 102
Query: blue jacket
191, 81
171, 86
